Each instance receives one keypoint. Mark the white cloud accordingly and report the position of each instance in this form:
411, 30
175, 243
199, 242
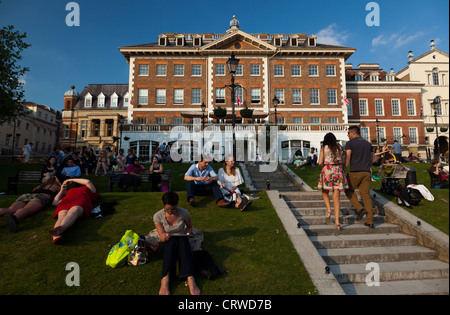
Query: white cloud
397, 39
331, 36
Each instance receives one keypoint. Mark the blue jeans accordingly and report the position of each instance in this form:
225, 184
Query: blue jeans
194, 189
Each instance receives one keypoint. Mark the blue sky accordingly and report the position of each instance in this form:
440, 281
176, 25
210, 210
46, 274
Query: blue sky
62, 56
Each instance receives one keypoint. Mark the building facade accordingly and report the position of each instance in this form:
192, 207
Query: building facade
41, 126
432, 69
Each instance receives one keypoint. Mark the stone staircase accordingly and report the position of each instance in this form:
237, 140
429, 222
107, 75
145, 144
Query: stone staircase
405, 267
277, 180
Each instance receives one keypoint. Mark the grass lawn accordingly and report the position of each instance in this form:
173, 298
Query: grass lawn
251, 247
434, 212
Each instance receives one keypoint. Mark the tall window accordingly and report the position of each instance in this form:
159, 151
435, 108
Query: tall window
220, 95
143, 69
350, 107
333, 120
411, 106
278, 70
220, 69
435, 75
255, 95
196, 96
160, 96
279, 93
412, 135
331, 70
178, 96
379, 111
254, 70
143, 97
196, 70
363, 111
314, 96
365, 133
398, 134
296, 71
395, 107
332, 96
296, 96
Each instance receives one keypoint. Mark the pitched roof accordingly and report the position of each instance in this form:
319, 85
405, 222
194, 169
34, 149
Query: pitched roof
108, 90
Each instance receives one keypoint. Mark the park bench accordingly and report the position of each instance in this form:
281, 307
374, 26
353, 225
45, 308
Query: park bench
144, 176
23, 178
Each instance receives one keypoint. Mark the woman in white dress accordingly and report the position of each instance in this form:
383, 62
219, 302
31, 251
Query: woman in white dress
229, 180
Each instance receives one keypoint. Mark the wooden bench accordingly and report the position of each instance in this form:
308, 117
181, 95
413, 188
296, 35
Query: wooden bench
23, 178
144, 176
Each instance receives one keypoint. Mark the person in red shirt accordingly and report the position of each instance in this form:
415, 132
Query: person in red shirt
72, 204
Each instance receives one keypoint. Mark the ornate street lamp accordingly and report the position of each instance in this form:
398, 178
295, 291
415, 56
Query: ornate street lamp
203, 106
275, 103
435, 106
232, 64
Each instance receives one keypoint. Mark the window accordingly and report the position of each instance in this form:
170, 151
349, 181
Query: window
359, 77
298, 120
395, 107
411, 106
220, 95
374, 77
313, 71
379, 110
239, 70
279, 93
160, 96
101, 100
162, 41
363, 107
333, 120
398, 134
296, 96
83, 128
143, 70
88, 100
196, 97
255, 95
114, 100
196, 70
350, 107
254, 70
412, 135
143, 96
197, 41
390, 78
280, 120
179, 70
278, 70
381, 132
365, 133
332, 96
141, 121
314, 96
160, 120
178, 120
238, 94
126, 100
315, 120
220, 69
178, 96
161, 70
331, 70
296, 71
435, 75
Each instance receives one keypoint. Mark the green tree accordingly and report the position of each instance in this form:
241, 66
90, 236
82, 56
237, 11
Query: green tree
11, 88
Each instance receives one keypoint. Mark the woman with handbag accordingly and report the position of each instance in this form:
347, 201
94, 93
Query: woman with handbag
174, 226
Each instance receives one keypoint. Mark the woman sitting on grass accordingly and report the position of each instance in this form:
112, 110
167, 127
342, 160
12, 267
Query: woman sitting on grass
229, 180
28, 204
174, 225
72, 204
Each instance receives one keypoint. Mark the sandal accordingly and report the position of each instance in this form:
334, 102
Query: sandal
338, 227
57, 231
328, 215
57, 240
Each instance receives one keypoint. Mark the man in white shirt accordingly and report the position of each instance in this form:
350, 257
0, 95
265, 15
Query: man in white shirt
202, 180
27, 151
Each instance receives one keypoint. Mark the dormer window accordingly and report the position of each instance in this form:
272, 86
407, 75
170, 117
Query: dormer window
114, 100
101, 100
312, 40
390, 78
374, 76
162, 41
126, 100
294, 41
359, 77
88, 100
180, 40
278, 41
197, 41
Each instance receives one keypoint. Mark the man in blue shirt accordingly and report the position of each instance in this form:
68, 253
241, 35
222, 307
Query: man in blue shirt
71, 170
397, 150
202, 180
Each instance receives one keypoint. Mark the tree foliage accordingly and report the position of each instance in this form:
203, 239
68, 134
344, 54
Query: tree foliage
11, 88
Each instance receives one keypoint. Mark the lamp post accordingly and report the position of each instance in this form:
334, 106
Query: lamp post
275, 103
377, 124
120, 130
232, 64
435, 105
203, 106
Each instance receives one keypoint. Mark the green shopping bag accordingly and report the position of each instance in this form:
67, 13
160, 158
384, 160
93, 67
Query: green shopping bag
120, 253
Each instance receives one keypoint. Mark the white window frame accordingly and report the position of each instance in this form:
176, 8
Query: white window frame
126, 100
365, 133
297, 95
311, 96
313, 122
199, 69
279, 93
333, 120
398, 134
350, 107
255, 95
114, 100
255, 70
415, 138
196, 96
101, 100
142, 96
239, 70
178, 70
399, 107
379, 108
363, 107
313, 70
278, 71
411, 107
332, 72
220, 95
161, 70
143, 70
297, 120
88, 100
296, 70
160, 96
220, 70
332, 99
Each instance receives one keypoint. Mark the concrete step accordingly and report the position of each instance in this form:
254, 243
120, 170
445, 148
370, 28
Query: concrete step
411, 287
310, 195
362, 240
347, 229
392, 271
314, 203
364, 255
321, 220
321, 211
